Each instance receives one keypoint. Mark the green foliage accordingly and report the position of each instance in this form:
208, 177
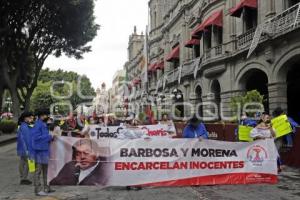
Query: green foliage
119, 114
8, 126
31, 30
238, 102
142, 116
47, 75
42, 98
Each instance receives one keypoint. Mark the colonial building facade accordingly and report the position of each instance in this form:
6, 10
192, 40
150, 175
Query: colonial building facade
198, 50
117, 91
100, 104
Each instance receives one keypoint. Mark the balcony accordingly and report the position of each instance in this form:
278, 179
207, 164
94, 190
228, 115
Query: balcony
156, 34
284, 22
213, 53
152, 85
188, 67
281, 24
244, 40
173, 76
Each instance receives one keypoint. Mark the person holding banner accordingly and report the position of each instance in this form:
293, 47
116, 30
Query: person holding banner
195, 129
89, 165
246, 124
24, 146
165, 121
288, 138
264, 130
41, 139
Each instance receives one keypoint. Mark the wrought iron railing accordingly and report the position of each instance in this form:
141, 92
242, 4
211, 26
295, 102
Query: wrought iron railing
244, 40
188, 68
278, 25
214, 52
173, 75
285, 21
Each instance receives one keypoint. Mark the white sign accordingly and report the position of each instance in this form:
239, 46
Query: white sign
160, 162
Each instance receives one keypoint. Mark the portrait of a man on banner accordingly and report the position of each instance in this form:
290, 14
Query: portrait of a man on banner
89, 166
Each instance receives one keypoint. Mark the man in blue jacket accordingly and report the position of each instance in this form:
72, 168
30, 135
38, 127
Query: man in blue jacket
195, 129
24, 145
41, 139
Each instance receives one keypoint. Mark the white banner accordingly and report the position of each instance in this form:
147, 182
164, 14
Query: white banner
160, 162
132, 132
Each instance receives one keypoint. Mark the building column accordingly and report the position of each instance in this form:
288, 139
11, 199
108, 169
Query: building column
270, 9
277, 96
214, 36
187, 109
185, 37
193, 100
232, 29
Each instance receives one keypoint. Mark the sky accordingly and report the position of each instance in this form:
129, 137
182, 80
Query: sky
117, 19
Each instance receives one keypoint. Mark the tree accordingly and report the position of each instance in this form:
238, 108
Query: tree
31, 30
42, 92
41, 97
238, 102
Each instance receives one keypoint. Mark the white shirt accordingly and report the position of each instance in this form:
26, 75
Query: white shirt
84, 173
260, 132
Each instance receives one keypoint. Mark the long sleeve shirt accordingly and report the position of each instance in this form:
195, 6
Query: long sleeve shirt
191, 132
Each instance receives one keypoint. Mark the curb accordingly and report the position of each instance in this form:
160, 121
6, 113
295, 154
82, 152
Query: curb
8, 141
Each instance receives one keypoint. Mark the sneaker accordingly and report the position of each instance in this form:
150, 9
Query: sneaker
50, 191
25, 182
41, 194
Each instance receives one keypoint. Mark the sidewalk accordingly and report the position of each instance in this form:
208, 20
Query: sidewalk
7, 138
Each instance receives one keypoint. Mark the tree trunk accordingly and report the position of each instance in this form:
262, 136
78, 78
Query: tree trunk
27, 98
1, 96
15, 103
11, 83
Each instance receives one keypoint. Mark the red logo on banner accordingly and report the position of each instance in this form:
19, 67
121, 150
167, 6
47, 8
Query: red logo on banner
257, 155
159, 132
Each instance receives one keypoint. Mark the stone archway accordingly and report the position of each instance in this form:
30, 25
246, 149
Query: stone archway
293, 91
256, 79
287, 74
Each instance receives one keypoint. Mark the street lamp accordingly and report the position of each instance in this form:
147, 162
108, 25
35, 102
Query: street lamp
176, 94
9, 103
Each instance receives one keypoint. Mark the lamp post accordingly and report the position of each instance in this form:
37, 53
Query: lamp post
8, 102
177, 95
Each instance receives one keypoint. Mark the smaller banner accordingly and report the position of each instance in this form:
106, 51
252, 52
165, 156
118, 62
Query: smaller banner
244, 133
132, 132
282, 126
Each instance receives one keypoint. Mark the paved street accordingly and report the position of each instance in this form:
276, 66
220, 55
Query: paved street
288, 188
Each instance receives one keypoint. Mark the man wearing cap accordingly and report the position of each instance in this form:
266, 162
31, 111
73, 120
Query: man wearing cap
24, 145
195, 129
41, 139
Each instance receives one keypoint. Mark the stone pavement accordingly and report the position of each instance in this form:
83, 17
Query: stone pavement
288, 188
7, 138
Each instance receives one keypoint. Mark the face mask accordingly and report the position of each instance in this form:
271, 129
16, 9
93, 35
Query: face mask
268, 122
